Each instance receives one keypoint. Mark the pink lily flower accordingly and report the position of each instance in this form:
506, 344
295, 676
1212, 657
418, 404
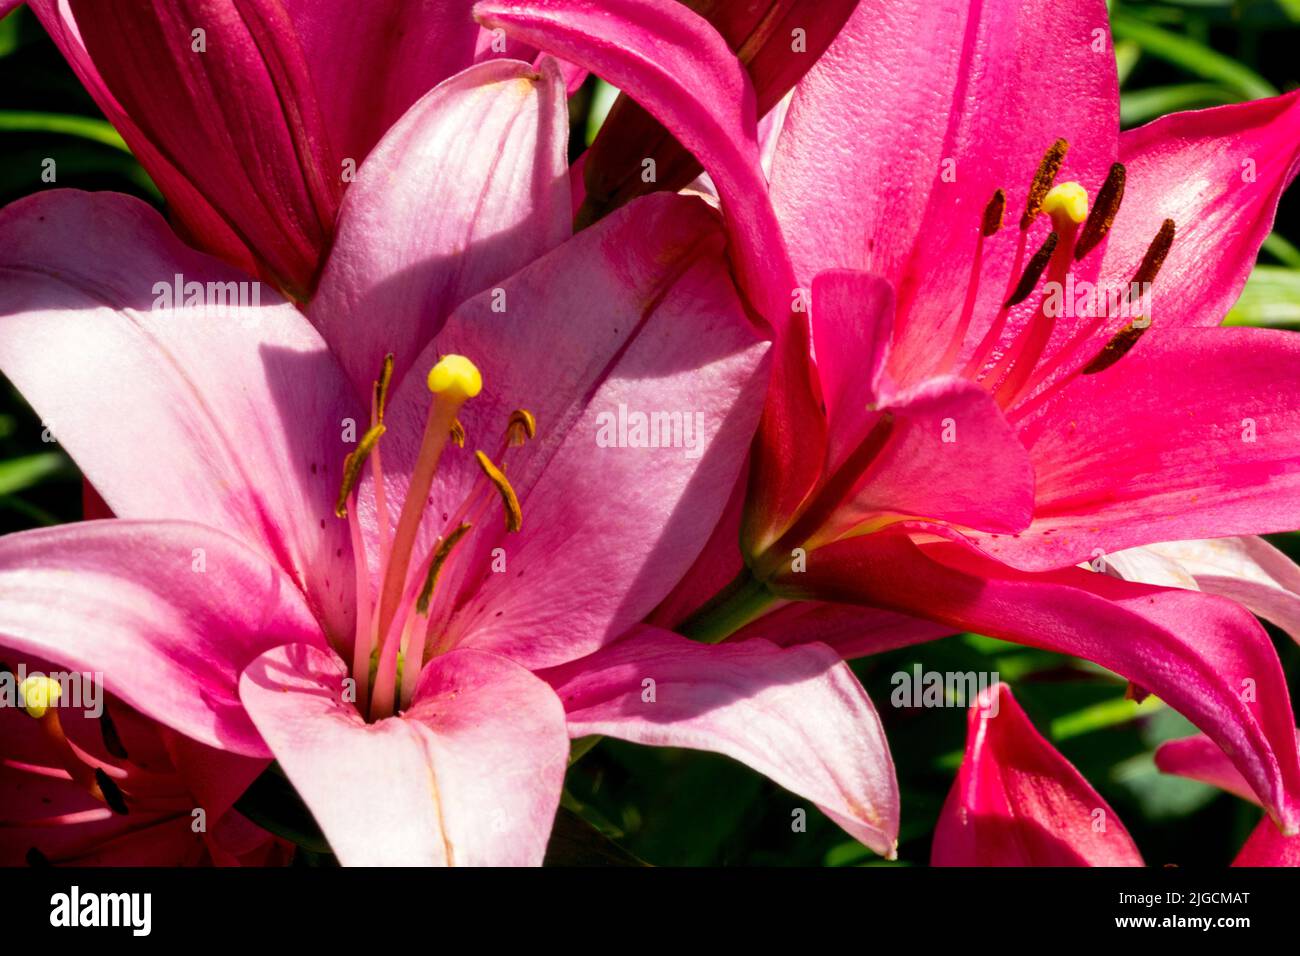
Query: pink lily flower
1199, 759
939, 443
64, 782
1017, 802
252, 117
423, 640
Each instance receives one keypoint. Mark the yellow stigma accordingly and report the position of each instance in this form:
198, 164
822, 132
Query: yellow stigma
38, 694
455, 377
1066, 199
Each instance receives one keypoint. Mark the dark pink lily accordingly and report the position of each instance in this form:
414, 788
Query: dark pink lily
1018, 802
63, 780
410, 667
253, 116
1199, 759
928, 451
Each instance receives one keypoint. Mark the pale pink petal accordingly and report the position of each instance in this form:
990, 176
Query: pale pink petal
651, 324
168, 614
469, 186
469, 776
231, 415
796, 715
1018, 802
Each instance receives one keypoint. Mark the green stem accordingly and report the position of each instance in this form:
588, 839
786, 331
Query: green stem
740, 602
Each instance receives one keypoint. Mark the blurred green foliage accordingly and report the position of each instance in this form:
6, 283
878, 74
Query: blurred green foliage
673, 807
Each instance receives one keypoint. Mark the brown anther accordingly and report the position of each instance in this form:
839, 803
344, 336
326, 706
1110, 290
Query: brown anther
352, 465
1155, 254
1115, 349
1033, 272
1102, 214
458, 433
439, 559
1042, 182
381, 387
112, 793
993, 212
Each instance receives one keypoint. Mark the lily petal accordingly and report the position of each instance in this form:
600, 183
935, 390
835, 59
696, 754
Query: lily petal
262, 158
488, 148
796, 715
1204, 656
653, 325
470, 775
246, 429
1135, 454
178, 610
1018, 802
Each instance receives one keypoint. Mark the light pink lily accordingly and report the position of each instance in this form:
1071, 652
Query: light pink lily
252, 116
399, 668
929, 452
63, 780
1017, 802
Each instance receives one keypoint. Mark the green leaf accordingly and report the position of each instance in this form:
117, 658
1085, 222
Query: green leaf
1271, 298
602, 101
1281, 249
18, 474
1127, 54
1189, 55
1108, 713
1141, 106
273, 804
85, 127
575, 842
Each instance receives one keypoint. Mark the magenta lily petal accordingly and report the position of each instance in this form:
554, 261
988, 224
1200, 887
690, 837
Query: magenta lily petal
796, 715
246, 429
470, 775
943, 431
161, 642
488, 150
1267, 846
1199, 758
763, 36
1218, 174
663, 55
852, 631
862, 131
652, 324
369, 62
194, 214
1018, 802
264, 160
852, 317
1206, 452
1206, 657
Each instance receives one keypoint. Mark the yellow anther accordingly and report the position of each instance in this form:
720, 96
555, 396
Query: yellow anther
1066, 199
381, 387
458, 434
38, 694
455, 377
522, 427
352, 467
514, 514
